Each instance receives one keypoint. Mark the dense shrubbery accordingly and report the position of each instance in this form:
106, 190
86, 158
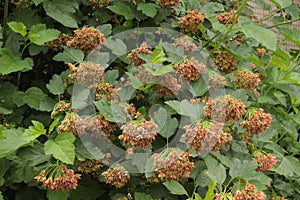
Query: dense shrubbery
206, 106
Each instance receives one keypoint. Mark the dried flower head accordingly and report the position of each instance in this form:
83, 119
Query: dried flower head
250, 193
261, 52
92, 166
225, 108
134, 55
172, 165
167, 85
87, 39
68, 125
216, 81
116, 176
59, 43
64, 180
106, 126
245, 79
100, 4
257, 122
225, 62
227, 18
138, 135
22, 4
190, 69
188, 46
205, 138
191, 22
87, 74
168, 3
105, 90
61, 107
265, 162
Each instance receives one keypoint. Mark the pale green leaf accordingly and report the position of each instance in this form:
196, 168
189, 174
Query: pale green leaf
262, 35
12, 142
106, 29
11, 63
292, 35
38, 34
70, 54
288, 167
169, 128
117, 46
56, 85
62, 148
142, 196
87, 150
282, 3
34, 131
135, 82
18, 27
122, 9
53, 125
149, 9
175, 188
34, 97
210, 194
111, 76
215, 170
62, 11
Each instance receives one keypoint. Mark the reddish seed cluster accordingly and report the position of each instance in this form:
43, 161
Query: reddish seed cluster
99, 4
250, 193
61, 107
90, 126
92, 166
216, 82
225, 62
59, 43
168, 3
106, 126
65, 181
87, 39
191, 69
68, 125
105, 90
257, 123
87, 74
116, 176
203, 139
227, 18
225, 108
191, 22
188, 46
173, 166
138, 135
167, 85
246, 79
224, 139
130, 111
134, 55
265, 162
143, 75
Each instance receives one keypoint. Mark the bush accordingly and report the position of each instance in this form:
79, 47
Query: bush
148, 100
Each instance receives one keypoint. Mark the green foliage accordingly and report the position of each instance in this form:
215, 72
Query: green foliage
48, 117
175, 188
12, 63
62, 148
